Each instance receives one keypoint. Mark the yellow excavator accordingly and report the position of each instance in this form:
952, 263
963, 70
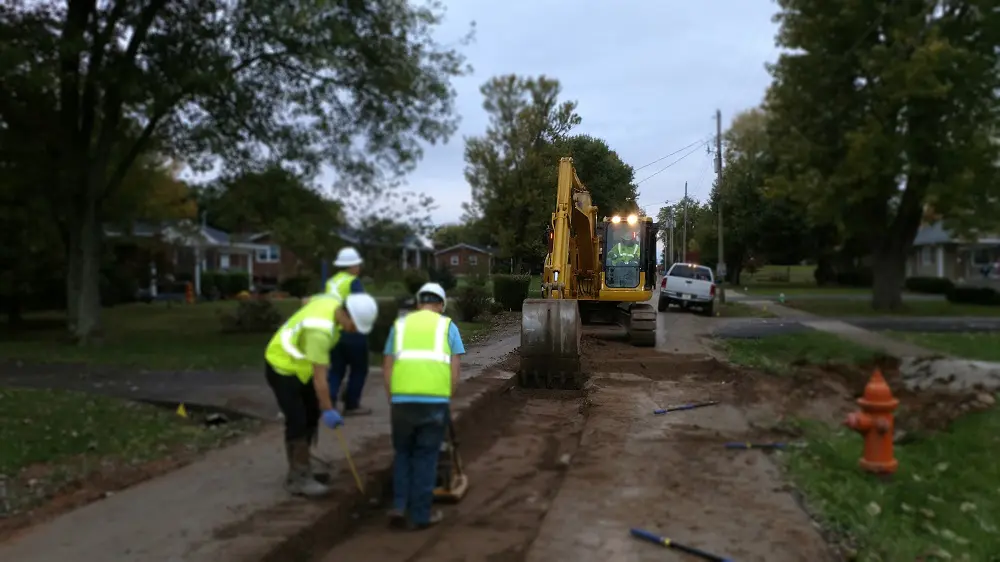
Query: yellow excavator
595, 269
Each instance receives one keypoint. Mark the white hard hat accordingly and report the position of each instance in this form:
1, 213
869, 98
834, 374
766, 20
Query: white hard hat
363, 310
347, 257
432, 288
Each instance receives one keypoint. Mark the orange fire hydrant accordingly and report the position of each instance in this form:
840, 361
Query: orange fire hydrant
189, 293
875, 423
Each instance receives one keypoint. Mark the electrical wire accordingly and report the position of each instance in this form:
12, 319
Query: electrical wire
668, 166
699, 141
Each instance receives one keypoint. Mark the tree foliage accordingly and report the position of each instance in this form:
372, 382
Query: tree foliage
87, 87
512, 168
610, 180
879, 109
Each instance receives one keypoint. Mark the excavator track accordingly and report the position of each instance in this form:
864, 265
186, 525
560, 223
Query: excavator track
639, 320
550, 345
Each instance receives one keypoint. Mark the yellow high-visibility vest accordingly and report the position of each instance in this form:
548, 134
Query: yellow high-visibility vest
284, 351
422, 365
340, 285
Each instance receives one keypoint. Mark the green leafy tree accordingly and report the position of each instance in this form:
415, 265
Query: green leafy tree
512, 169
674, 214
87, 87
383, 224
610, 180
882, 108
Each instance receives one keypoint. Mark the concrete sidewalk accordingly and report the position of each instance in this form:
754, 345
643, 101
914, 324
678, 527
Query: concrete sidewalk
230, 505
867, 338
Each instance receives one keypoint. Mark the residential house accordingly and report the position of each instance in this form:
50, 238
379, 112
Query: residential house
465, 259
938, 253
414, 252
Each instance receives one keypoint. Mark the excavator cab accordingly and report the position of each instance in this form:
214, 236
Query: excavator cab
629, 252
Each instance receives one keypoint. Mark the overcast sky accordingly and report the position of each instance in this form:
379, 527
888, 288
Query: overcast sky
648, 76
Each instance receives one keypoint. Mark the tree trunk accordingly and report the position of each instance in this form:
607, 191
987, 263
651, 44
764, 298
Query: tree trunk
83, 296
888, 271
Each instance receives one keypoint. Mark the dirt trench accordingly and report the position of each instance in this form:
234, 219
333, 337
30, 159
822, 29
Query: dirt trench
514, 468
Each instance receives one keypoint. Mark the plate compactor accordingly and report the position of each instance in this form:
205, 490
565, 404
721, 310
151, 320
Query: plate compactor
452, 483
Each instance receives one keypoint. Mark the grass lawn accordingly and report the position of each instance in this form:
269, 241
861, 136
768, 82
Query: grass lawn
777, 353
943, 504
154, 337
983, 346
54, 437
740, 310
910, 308
789, 290
775, 274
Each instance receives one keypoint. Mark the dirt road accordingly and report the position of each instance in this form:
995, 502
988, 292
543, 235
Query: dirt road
627, 468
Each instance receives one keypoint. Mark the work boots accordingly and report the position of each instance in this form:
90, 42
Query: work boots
300, 480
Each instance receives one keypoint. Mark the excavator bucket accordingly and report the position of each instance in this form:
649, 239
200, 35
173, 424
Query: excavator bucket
550, 345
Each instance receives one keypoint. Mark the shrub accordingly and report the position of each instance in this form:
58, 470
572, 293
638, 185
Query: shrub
855, 277
252, 316
929, 285
974, 295
444, 277
414, 279
470, 301
477, 280
300, 286
224, 284
388, 311
511, 290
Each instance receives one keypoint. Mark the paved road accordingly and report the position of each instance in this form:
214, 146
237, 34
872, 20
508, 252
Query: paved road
752, 296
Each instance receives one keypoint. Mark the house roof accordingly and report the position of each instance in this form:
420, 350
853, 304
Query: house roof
184, 232
936, 233
479, 249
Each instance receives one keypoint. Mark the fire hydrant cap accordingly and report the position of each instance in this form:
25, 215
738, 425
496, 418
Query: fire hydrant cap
877, 392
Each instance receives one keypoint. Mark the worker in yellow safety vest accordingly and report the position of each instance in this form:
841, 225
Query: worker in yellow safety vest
296, 364
351, 352
421, 370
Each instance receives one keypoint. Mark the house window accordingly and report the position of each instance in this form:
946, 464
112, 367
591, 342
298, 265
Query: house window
454, 260
224, 261
926, 257
473, 260
981, 256
270, 255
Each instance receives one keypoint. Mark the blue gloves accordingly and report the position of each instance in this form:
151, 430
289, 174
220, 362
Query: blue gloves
332, 419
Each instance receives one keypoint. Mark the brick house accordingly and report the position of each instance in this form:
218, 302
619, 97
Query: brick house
465, 259
937, 252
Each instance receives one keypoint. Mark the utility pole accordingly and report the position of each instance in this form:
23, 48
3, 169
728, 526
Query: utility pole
673, 254
721, 267
684, 249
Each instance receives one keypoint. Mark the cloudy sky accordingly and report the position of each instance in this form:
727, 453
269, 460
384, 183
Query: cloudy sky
648, 76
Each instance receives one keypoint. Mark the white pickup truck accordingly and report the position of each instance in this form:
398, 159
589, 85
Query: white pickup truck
686, 285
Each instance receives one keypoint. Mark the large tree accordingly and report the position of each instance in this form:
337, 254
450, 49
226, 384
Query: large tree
880, 108
88, 86
610, 180
512, 168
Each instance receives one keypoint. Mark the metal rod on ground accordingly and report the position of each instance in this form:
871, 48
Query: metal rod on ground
685, 407
350, 461
664, 541
744, 446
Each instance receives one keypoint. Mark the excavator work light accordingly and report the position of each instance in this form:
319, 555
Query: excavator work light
616, 219
632, 219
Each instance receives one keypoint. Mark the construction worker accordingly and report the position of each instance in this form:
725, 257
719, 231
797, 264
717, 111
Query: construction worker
421, 370
352, 349
296, 365
625, 252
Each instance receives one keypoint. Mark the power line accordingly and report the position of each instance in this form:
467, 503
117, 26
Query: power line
663, 169
700, 141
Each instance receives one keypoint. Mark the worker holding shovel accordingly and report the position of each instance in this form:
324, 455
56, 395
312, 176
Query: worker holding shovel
297, 358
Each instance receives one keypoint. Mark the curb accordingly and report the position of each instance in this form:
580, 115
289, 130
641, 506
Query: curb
301, 531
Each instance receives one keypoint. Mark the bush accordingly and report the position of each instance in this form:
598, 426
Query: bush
388, 311
929, 285
224, 284
855, 277
477, 280
252, 316
300, 286
974, 295
413, 279
511, 290
470, 301
444, 277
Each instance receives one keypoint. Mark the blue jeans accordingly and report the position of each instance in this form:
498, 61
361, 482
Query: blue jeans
418, 430
350, 352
